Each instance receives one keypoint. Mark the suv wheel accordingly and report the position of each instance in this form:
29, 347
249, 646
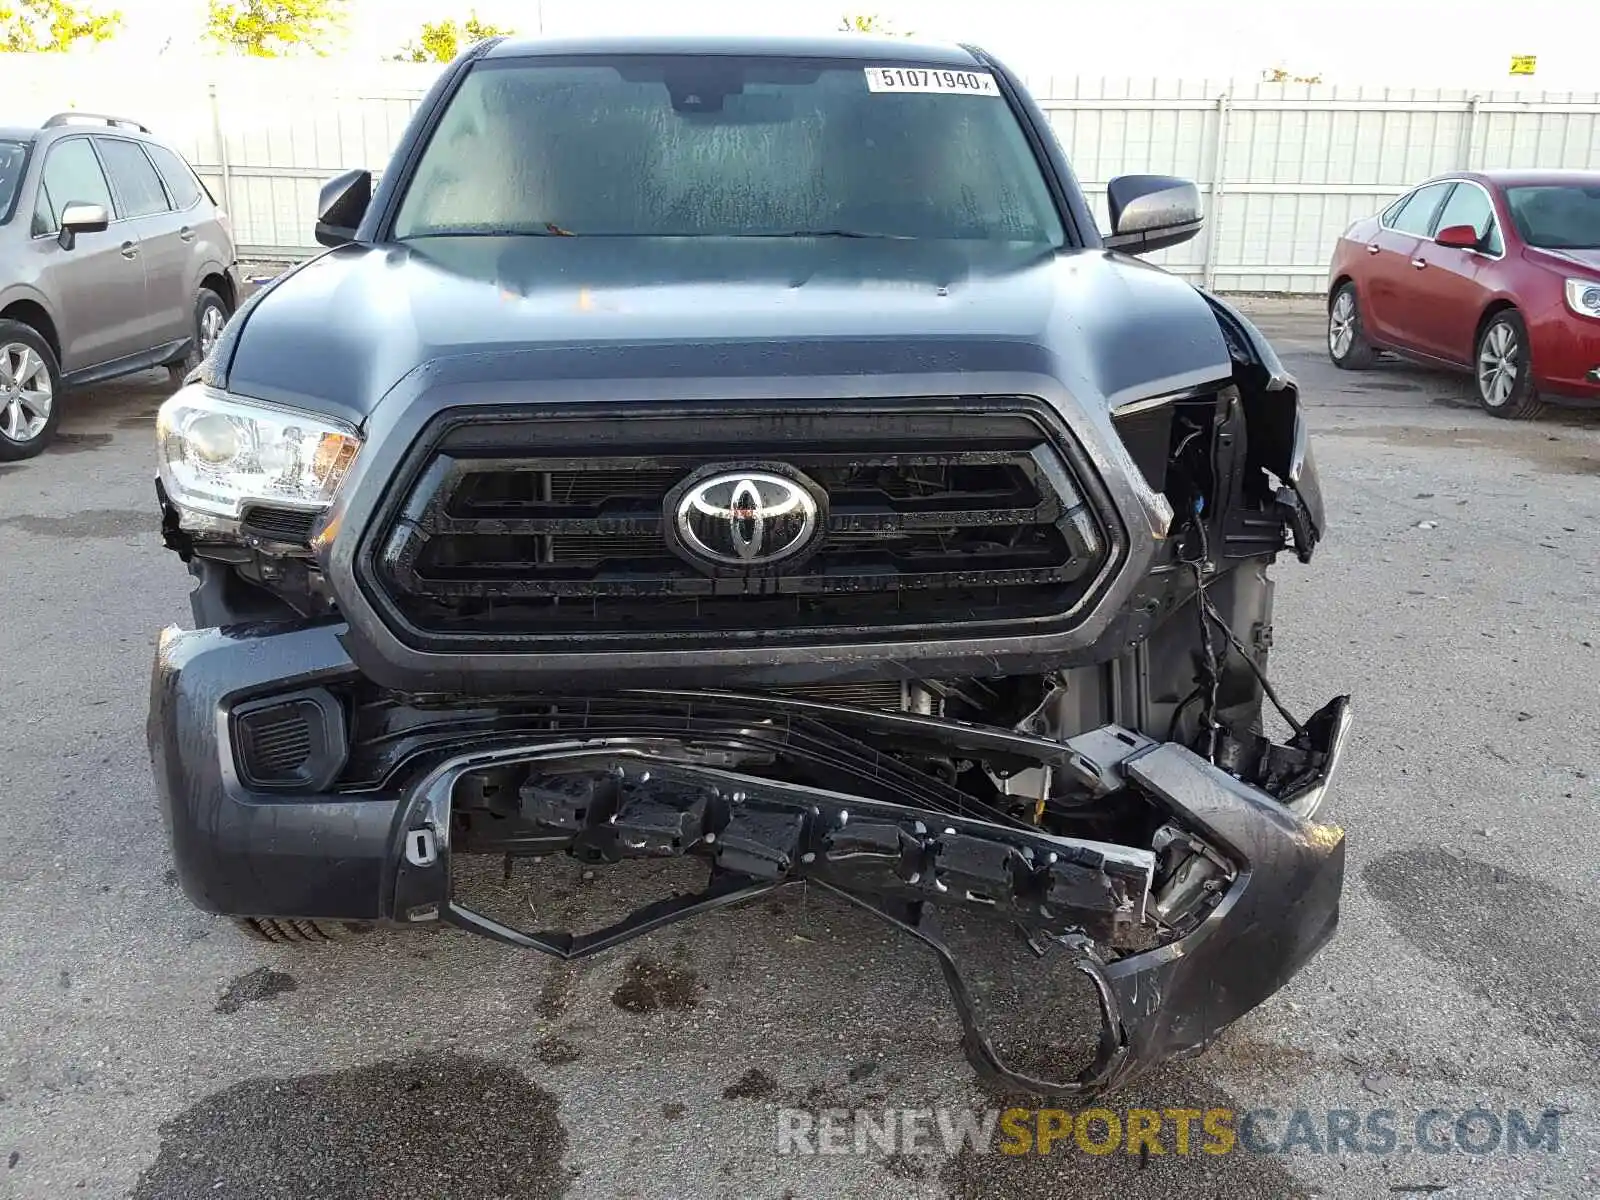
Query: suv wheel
1504, 369
1347, 344
30, 391
210, 315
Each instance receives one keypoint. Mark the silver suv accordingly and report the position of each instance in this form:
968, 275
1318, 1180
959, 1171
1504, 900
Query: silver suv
114, 258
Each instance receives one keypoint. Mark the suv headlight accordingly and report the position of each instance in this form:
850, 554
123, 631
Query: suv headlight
1583, 297
219, 453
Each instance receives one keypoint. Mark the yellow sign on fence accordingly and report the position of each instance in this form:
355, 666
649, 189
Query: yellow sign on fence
1523, 64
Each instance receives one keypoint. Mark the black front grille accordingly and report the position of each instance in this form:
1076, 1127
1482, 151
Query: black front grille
886, 694
928, 520
278, 524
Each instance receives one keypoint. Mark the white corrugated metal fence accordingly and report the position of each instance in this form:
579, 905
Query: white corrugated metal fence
1283, 168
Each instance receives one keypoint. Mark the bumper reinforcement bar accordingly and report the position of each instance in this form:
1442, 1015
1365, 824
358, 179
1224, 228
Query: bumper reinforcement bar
902, 865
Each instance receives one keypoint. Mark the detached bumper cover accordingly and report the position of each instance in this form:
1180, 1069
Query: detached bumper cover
386, 855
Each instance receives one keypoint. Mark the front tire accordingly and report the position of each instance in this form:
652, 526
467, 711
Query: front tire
284, 930
30, 392
1347, 342
1503, 368
210, 315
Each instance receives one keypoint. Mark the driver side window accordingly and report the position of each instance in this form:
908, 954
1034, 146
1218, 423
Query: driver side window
72, 175
1414, 215
1469, 205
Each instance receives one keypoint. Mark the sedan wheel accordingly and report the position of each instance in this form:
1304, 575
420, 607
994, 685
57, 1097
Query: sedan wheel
1505, 371
1498, 365
26, 394
1342, 325
1347, 343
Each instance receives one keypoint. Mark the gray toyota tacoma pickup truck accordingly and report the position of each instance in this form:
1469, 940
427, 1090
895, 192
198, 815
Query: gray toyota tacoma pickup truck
751, 453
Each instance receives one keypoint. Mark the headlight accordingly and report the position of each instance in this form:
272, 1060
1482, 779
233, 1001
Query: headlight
219, 453
1583, 297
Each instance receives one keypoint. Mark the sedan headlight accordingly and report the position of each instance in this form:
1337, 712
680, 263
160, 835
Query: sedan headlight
219, 453
1583, 297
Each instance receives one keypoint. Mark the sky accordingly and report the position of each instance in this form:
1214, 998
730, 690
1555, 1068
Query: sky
1422, 43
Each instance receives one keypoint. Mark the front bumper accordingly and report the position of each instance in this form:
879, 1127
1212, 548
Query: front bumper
385, 854
1566, 356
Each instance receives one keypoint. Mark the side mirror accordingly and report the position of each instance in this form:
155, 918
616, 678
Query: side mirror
81, 218
341, 205
1150, 212
1462, 237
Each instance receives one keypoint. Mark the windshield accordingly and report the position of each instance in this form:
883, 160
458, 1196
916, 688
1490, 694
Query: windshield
1557, 217
728, 147
12, 157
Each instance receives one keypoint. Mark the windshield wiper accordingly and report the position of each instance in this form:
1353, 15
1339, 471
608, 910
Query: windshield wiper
548, 229
829, 233
551, 229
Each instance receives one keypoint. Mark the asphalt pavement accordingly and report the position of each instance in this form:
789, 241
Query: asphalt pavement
148, 1050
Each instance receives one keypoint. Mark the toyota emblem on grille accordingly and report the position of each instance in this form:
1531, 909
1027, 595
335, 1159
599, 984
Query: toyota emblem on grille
745, 518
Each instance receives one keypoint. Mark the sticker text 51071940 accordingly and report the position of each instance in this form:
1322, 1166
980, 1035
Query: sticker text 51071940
931, 79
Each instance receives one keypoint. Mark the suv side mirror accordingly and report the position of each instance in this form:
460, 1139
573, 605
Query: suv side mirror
1150, 212
81, 218
341, 205
1462, 237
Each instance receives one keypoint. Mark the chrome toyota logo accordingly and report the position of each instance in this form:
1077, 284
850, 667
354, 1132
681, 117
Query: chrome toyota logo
745, 518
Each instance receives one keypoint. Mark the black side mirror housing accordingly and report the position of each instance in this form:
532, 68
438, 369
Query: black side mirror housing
1151, 212
341, 205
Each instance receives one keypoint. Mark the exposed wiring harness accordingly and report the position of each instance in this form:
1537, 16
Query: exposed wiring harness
1249, 661
1208, 615
1213, 678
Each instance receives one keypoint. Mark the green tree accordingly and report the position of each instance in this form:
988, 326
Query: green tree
274, 28
1284, 75
52, 25
441, 41
868, 23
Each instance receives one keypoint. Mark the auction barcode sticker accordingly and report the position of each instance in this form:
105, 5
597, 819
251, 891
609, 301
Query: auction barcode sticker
931, 79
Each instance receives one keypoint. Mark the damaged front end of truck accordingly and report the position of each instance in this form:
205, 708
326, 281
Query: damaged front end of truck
443, 665
1185, 895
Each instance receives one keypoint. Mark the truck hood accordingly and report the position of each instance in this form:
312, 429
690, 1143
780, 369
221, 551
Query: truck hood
340, 332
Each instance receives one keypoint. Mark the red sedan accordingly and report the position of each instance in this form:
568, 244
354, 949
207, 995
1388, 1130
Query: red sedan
1494, 271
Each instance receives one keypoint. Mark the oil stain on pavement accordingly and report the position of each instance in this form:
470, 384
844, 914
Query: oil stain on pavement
556, 1052
649, 984
252, 986
430, 1127
1504, 936
92, 523
79, 443
754, 1084
1384, 386
560, 986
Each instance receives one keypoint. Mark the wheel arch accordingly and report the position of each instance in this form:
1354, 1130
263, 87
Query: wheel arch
34, 315
1491, 310
215, 279
1338, 282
